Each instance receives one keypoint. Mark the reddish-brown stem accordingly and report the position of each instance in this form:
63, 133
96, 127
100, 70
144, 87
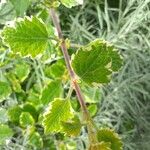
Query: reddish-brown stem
67, 60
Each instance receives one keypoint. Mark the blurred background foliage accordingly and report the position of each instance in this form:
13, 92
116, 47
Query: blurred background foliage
124, 104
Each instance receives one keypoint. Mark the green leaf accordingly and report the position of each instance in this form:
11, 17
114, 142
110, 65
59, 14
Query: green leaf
71, 3
7, 12
56, 70
67, 3
35, 140
92, 108
20, 6
26, 119
5, 133
29, 37
21, 97
109, 136
21, 70
28, 107
52, 3
91, 94
14, 82
95, 62
5, 90
59, 111
14, 114
51, 91
34, 97
72, 127
3, 115
71, 145
100, 146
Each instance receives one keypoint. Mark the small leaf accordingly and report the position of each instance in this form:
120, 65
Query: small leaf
26, 119
67, 3
35, 140
56, 70
29, 37
21, 70
72, 127
91, 94
34, 97
59, 111
5, 90
51, 91
100, 146
5, 133
95, 62
28, 107
14, 114
92, 108
14, 82
109, 136
71, 3
20, 6
52, 3
71, 145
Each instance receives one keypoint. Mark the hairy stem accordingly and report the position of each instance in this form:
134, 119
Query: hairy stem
67, 60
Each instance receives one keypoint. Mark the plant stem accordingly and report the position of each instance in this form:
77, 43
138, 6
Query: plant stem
69, 92
67, 60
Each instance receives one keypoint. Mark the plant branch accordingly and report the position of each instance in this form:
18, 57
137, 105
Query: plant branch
55, 20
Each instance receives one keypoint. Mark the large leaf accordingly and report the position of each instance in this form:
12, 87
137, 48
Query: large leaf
59, 111
29, 37
20, 6
51, 91
5, 90
109, 136
95, 62
5, 133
